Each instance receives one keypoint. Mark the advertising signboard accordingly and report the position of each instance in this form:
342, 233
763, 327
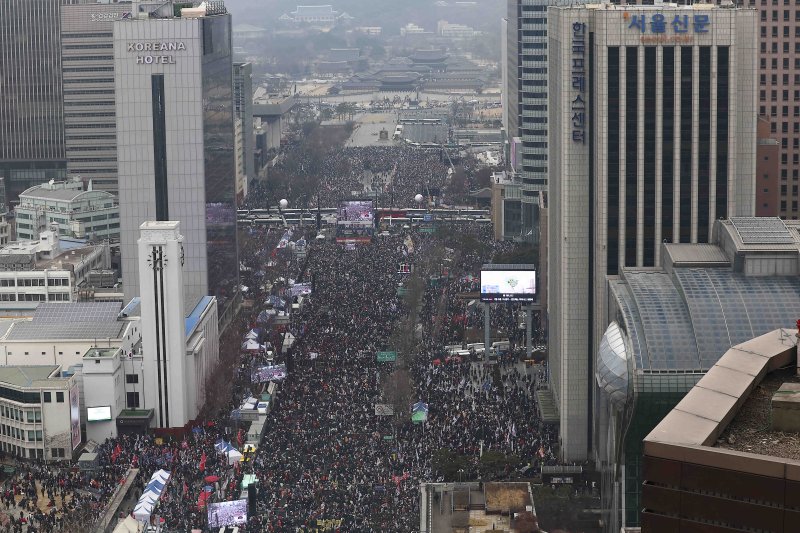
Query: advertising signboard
75, 415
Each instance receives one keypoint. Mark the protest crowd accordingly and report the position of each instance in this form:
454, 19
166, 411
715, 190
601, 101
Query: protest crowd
326, 461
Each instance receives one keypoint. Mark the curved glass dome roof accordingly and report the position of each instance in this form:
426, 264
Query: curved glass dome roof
612, 364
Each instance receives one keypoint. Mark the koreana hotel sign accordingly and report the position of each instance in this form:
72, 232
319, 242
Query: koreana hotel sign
156, 52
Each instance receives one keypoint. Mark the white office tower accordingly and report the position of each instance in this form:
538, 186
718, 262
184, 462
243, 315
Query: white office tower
652, 137
165, 365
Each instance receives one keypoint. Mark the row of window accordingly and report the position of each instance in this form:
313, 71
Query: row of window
34, 282
87, 69
19, 434
97, 217
774, 48
775, 13
774, 79
762, 95
53, 297
20, 415
786, 31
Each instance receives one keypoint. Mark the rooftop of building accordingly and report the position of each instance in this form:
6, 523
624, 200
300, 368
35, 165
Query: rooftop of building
133, 309
750, 430
193, 318
681, 317
62, 191
630, 7
728, 410
170, 9
69, 321
47, 253
28, 376
467, 506
100, 353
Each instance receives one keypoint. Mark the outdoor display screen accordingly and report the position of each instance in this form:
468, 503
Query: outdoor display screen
508, 285
355, 220
263, 374
97, 414
227, 513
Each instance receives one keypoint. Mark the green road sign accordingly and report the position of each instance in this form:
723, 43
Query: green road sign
388, 437
387, 357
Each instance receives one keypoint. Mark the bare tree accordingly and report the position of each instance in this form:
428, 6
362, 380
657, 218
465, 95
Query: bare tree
398, 391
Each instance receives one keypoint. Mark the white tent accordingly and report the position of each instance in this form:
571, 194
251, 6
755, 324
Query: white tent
251, 344
152, 492
233, 456
251, 335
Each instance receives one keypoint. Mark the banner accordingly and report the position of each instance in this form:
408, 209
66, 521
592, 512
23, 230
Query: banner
284, 242
300, 289
383, 409
75, 416
263, 374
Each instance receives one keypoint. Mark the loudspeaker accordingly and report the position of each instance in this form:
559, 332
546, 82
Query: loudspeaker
251, 499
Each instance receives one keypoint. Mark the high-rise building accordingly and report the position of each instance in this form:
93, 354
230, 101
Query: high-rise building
87, 58
243, 106
779, 92
652, 137
31, 107
527, 99
175, 141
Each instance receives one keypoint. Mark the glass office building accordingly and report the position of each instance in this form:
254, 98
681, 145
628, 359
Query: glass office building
175, 142
31, 107
671, 324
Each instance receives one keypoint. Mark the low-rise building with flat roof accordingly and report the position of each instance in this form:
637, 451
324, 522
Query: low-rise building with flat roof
48, 269
73, 210
39, 414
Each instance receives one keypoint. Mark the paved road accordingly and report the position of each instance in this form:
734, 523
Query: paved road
369, 125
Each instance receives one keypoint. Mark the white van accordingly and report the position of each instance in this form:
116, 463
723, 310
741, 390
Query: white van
500, 346
479, 347
453, 349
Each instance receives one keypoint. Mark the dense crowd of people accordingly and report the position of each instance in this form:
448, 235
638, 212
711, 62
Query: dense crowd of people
327, 461
394, 173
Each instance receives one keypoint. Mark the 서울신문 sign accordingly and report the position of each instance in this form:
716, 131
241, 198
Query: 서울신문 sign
660, 23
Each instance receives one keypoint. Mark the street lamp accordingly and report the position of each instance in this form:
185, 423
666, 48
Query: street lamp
284, 203
419, 198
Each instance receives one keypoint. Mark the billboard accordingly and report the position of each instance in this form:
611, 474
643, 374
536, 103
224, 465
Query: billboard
75, 415
300, 289
262, 374
355, 220
98, 414
232, 513
508, 285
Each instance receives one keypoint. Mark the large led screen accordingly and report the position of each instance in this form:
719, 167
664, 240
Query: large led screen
355, 220
98, 414
508, 285
232, 513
